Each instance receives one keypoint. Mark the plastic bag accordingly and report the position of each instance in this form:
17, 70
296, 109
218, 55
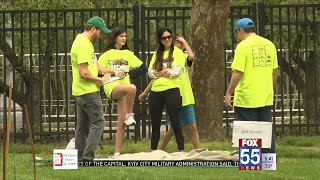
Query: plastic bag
71, 144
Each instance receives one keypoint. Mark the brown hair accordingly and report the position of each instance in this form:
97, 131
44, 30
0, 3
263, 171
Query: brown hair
158, 64
112, 39
249, 30
88, 28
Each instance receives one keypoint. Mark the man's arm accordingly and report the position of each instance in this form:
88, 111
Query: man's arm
105, 70
235, 79
275, 75
86, 74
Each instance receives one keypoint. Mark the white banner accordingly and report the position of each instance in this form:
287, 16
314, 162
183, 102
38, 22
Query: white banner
65, 159
252, 130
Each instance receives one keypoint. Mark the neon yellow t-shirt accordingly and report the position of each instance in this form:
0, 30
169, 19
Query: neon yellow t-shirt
82, 51
121, 60
256, 57
161, 84
185, 88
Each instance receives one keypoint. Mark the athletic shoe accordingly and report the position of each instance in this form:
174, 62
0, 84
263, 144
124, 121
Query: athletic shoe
129, 119
115, 156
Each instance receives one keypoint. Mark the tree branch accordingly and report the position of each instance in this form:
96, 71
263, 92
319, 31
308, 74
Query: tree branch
294, 74
15, 61
17, 96
295, 52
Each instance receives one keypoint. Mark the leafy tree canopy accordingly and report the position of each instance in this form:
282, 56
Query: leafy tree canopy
72, 4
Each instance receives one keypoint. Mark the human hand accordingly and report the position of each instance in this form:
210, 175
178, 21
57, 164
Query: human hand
105, 78
142, 96
100, 82
120, 74
227, 102
181, 39
166, 70
166, 75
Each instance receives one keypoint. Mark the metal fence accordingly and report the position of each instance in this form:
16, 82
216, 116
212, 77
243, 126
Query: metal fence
295, 31
40, 68
37, 60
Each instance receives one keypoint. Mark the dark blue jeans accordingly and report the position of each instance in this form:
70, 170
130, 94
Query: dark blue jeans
257, 114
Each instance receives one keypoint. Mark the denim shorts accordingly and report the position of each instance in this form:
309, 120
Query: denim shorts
187, 116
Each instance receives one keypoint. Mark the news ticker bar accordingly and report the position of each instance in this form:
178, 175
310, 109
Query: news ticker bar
160, 163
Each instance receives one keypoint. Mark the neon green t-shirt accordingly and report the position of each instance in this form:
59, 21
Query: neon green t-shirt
256, 57
185, 88
161, 83
82, 52
121, 60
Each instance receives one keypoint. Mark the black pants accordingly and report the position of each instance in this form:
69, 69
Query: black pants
172, 100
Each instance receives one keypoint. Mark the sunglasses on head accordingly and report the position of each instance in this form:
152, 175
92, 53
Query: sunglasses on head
166, 37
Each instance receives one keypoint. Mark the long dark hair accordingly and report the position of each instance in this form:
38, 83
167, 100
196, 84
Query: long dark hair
158, 64
112, 39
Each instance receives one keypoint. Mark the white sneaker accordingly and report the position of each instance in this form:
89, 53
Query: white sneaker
129, 119
115, 155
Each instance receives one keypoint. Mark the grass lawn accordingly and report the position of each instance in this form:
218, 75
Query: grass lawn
299, 158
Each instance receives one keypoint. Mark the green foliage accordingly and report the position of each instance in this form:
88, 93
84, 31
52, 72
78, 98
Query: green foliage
148, 3
52, 37
188, 3
47, 37
45, 4
47, 40
72, 4
176, 3
249, 2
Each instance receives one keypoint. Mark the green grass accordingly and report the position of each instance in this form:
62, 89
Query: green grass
295, 162
288, 168
301, 141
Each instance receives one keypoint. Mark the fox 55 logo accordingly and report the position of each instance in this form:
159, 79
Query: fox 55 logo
250, 154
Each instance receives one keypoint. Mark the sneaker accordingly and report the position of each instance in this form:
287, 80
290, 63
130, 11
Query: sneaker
129, 119
115, 156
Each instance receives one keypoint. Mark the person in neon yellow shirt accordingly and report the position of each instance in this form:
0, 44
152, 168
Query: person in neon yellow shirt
85, 89
126, 65
255, 73
187, 116
165, 69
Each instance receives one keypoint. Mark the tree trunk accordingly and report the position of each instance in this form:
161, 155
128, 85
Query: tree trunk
209, 19
33, 104
31, 79
311, 92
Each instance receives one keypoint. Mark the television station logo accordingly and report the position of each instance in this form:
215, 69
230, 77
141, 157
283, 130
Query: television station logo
250, 153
